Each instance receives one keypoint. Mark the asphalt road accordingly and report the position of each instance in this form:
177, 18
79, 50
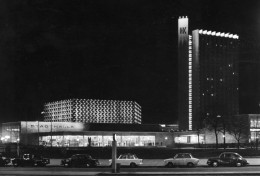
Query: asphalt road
158, 162
249, 170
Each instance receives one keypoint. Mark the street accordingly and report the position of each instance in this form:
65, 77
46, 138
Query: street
249, 170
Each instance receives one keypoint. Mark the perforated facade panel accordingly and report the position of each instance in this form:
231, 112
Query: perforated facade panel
93, 111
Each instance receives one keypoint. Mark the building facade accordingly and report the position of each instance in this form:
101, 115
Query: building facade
208, 75
93, 111
76, 134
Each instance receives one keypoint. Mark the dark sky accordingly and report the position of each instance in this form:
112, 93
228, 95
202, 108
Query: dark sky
119, 50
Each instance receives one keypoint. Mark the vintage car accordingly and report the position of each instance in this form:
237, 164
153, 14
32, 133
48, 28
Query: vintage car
80, 160
30, 160
227, 159
181, 159
128, 159
4, 160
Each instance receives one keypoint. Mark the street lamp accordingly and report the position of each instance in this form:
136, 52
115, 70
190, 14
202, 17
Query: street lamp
18, 147
224, 132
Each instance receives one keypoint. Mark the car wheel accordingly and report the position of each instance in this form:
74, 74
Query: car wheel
215, 164
238, 164
132, 165
190, 165
170, 164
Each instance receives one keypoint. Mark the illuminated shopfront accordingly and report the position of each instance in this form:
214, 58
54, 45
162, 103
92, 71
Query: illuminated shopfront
96, 140
254, 127
75, 134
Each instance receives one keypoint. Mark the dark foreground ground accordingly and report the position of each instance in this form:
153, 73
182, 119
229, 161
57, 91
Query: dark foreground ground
249, 170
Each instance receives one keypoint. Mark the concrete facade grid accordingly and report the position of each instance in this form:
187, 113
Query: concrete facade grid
93, 111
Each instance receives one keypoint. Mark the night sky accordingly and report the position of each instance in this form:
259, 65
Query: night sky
115, 50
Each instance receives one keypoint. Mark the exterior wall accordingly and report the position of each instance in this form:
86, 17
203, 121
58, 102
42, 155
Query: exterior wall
75, 134
61, 111
183, 56
218, 74
93, 111
196, 108
207, 137
254, 120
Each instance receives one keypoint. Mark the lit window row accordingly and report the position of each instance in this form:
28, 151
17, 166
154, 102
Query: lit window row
190, 82
214, 33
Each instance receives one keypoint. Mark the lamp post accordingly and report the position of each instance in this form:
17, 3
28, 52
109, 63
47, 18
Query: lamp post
114, 153
18, 147
256, 142
224, 132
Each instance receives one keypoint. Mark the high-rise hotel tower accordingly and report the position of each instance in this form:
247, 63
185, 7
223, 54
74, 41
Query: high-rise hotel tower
208, 75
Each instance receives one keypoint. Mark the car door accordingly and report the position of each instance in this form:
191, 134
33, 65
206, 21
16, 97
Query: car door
226, 159
122, 160
233, 159
131, 159
186, 159
178, 160
75, 161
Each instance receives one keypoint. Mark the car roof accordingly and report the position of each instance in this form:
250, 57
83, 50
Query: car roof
230, 152
81, 154
127, 154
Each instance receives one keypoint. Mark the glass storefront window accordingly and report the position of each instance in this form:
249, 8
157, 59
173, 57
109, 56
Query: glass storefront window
95, 140
10, 133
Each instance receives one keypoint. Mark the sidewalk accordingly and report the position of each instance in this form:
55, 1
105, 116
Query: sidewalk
157, 162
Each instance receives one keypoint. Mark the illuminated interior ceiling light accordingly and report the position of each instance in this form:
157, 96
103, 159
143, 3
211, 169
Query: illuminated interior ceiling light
230, 36
222, 34
213, 33
209, 32
204, 32
218, 34
200, 31
227, 34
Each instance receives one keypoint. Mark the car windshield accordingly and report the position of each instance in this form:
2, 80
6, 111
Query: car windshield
88, 157
122, 157
237, 155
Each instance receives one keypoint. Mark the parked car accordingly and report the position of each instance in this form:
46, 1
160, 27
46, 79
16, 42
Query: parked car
227, 159
80, 160
30, 160
181, 159
4, 160
128, 159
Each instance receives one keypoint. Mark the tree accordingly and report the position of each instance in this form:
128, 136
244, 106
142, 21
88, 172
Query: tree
239, 128
214, 125
216, 119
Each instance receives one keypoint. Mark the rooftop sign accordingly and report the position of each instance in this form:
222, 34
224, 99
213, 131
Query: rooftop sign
36, 126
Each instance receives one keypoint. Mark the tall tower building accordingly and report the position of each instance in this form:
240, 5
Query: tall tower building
208, 75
